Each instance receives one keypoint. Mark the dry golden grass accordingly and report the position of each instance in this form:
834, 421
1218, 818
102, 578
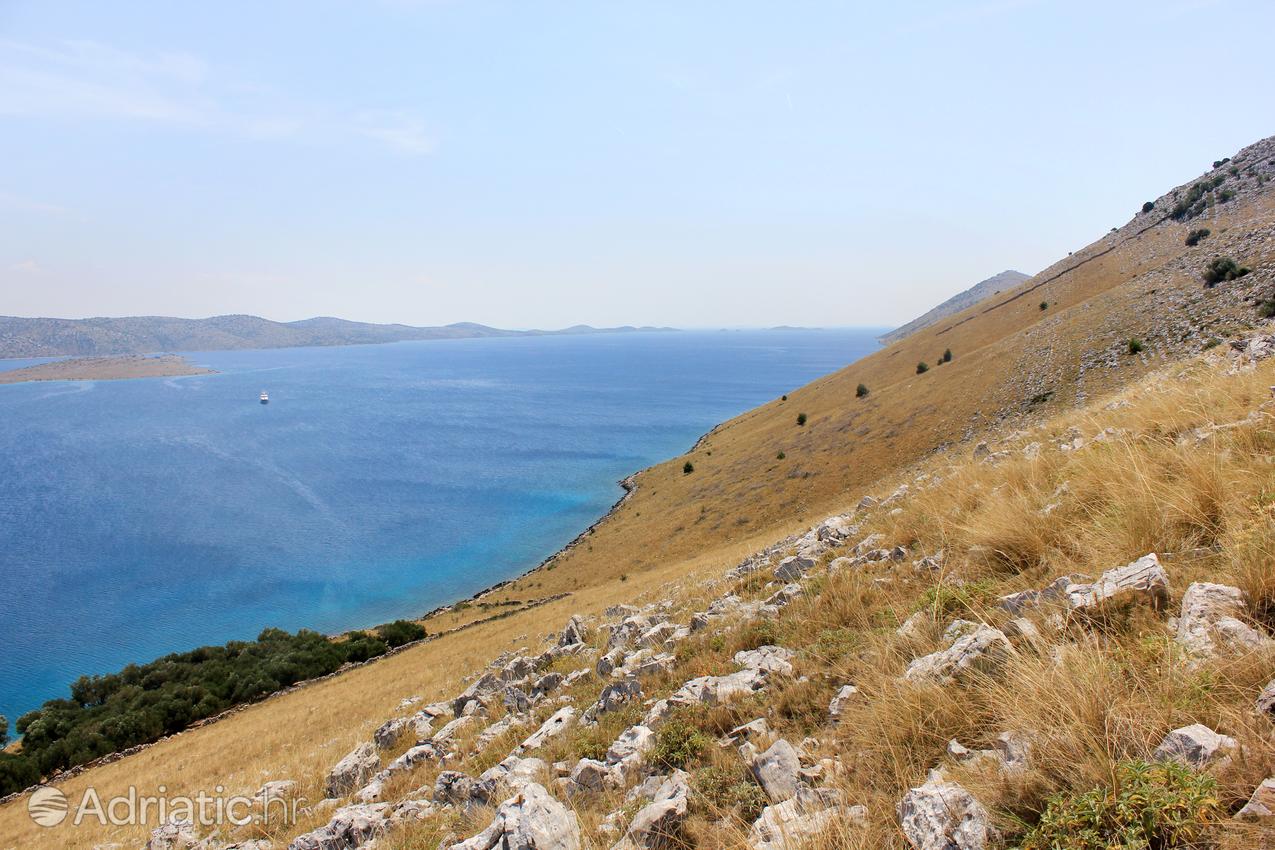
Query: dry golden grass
1137, 492
1098, 692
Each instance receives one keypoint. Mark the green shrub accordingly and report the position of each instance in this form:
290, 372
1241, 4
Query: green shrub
17, 772
1193, 238
1044, 305
801, 419
861, 391
1148, 206
1195, 201
947, 356
1214, 342
733, 790
4, 730
679, 743
1135, 345
1160, 806
688, 468
1218, 163
1267, 309
143, 702
400, 632
360, 646
922, 367
780, 456
1222, 269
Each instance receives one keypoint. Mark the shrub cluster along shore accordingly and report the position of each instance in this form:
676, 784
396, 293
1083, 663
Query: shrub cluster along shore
143, 702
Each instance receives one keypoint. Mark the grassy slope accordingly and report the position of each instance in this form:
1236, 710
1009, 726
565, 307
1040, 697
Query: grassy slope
676, 530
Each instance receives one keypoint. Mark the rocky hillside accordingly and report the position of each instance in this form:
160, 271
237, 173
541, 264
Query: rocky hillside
994, 285
21, 337
1020, 597
976, 659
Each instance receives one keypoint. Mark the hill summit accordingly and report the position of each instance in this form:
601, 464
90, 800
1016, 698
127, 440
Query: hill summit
1002, 282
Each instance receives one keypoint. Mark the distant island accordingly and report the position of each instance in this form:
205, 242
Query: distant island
98, 337
105, 369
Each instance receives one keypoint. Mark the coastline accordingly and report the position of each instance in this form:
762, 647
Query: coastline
116, 368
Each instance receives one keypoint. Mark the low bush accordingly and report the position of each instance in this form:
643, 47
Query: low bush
688, 468
400, 632
735, 791
1044, 305
922, 367
801, 419
1222, 269
947, 356
679, 743
861, 391
1267, 309
1148, 206
1160, 806
1135, 345
1193, 238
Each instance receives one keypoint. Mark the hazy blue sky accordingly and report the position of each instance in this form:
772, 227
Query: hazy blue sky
546, 163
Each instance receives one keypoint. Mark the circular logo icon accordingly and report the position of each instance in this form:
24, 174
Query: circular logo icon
47, 806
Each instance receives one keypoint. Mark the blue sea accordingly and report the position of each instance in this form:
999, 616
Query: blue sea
143, 517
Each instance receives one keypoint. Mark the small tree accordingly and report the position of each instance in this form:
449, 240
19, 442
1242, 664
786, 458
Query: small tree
1193, 238
688, 468
861, 390
4, 730
780, 456
922, 367
801, 419
1135, 345
1148, 206
947, 355
400, 632
1222, 269
1044, 305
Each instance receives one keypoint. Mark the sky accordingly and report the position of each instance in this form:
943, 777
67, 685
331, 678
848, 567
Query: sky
541, 164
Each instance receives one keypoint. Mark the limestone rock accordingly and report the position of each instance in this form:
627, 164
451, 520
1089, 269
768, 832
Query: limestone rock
839, 702
942, 815
1266, 699
351, 826
772, 659
1210, 622
792, 823
1144, 580
530, 820
574, 632
793, 567
174, 835
776, 770
718, 690
984, 650
356, 768
1195, 746
1262, 804
634, 740
612, 697
391, 732
658, 824
562, 720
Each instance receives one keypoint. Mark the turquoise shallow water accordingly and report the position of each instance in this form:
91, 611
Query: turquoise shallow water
147, 516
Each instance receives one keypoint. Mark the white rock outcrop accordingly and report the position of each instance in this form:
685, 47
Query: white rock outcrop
941, 815
358, 766
530, 820
1209, 623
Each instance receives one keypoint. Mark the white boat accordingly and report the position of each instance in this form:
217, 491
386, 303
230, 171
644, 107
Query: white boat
265, 397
